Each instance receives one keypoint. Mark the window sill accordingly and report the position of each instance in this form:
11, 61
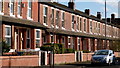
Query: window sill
1, 13
63, 28
45, 24
19, 16
12, 15
29, 18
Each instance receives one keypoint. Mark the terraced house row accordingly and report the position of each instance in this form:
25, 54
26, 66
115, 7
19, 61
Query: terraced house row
28, 25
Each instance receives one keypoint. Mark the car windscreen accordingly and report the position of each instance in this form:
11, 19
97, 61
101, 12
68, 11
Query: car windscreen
101, 53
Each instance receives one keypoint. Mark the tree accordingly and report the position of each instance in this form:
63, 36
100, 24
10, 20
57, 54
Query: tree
4, 46
115, 46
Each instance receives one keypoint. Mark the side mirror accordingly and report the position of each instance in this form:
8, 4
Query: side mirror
93, 54
110, 54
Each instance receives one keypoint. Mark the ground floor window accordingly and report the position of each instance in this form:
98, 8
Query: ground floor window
69, 42
78, 43
28, 38
52, 39
37, 37
8, 34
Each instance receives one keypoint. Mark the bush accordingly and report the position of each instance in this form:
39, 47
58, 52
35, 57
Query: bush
58, 48
86, 51
69, 50
5, 47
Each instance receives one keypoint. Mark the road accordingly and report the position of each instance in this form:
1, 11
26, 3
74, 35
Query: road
83, 65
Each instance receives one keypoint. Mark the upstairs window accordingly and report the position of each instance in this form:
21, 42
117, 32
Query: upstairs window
19, 7
80, 24
99, 27
84, 24
1, 6
57, 18
45, 10
90, 26
63, 19
11, 7
29, 8
52, 17
77, 24
72, 21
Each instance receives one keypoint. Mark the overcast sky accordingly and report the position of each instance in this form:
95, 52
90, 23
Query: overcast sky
95, 6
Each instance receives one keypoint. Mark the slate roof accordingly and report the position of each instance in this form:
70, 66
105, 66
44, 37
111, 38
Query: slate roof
20, 22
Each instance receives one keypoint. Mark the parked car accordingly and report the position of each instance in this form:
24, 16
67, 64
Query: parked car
103, 57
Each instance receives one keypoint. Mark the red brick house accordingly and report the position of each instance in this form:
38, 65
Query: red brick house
26, 25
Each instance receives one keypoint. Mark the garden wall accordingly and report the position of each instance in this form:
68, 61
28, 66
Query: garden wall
16, 61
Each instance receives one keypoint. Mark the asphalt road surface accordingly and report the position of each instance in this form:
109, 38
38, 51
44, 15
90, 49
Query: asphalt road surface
83, 65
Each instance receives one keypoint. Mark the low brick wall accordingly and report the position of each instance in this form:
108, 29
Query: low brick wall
87, 56
19, 60
64, 58
117, 54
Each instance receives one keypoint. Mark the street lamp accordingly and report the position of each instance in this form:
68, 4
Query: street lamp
105, 25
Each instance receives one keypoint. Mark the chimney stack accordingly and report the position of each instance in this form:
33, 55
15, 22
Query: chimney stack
87, 11
112, 16
71, 4
99, 15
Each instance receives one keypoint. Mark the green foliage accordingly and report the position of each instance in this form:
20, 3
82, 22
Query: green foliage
115, 46
58, 48
86, 51
5, 47
69, 50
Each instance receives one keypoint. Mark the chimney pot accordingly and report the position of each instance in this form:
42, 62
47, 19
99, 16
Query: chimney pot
112, 16
87, 11
99, 15
71, 4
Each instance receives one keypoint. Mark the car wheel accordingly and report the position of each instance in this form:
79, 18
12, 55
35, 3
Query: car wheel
109, 63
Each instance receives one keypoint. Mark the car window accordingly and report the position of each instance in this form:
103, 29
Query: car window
102, 53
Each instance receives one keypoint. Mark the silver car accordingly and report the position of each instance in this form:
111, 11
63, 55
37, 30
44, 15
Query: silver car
103, 56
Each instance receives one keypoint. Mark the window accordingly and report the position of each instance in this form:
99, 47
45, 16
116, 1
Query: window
37, 38
78, 43
19, 7
80, 24
8, 34
44, 38
45, 14
28, 38
72, 21
63, 40
11, 7
63, 19
52, 39
77, 24
84, 24
90, 26
69, 42
99, 27
1, 6
29, 8
57, 18
52, 22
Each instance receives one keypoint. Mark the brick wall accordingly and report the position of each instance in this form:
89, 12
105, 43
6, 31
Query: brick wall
19, 60
87, 56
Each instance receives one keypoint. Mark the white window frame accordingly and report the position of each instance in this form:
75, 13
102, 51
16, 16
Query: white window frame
78, 42
72, 22
77, 23
1, 11
57, 26
39, 35
69, 43
85, 24
8, 36
80, 25
10, 5
52, 17
63, 20
29, 8
19, 6
91, 26
45, 23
